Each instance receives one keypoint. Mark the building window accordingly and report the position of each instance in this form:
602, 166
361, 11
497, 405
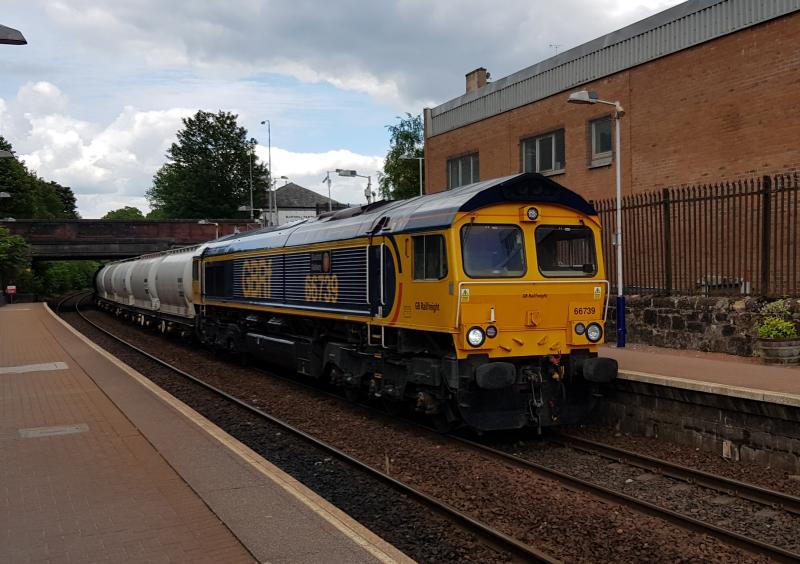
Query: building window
544, 154
602, 148
462, 170
430, 259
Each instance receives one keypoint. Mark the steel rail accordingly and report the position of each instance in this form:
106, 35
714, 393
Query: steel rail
69, 296
750, 492
731, 537
752, 545
493, 537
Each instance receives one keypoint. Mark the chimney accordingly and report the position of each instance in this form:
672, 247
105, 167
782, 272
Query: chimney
476, 79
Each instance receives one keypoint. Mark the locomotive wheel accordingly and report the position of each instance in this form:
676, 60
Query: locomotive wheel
391, 406
352, 394
442, 423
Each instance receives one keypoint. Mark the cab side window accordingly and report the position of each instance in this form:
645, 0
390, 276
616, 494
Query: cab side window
430, 259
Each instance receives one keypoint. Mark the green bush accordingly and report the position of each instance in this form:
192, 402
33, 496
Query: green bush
776, 328
778, 308
777, 322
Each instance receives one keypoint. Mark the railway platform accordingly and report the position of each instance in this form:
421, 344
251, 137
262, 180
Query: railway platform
713, 373
98, 464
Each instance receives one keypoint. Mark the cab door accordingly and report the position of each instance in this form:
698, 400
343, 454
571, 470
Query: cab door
382, 279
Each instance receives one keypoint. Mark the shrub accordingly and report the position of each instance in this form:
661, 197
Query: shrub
777, 323
776, 328
778, 308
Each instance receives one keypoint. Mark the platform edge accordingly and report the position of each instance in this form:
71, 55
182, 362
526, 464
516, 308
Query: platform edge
352, 529
792, 400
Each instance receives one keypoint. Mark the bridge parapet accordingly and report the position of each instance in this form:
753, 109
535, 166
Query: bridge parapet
115, 238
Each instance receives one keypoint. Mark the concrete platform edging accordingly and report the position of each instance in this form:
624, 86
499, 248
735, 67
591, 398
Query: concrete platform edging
362, 537
713, 388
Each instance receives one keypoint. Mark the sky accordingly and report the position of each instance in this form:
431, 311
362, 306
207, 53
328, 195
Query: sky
97, 96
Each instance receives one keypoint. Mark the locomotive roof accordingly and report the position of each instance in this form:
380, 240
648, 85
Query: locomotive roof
423, 213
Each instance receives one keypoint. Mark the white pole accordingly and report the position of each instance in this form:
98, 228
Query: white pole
330, 203
251, 184
269, 159
621, 329
420, 175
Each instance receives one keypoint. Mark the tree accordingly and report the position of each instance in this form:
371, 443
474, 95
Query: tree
14, 257
400, 177
59, 277
128, 212
32, 197
207, 173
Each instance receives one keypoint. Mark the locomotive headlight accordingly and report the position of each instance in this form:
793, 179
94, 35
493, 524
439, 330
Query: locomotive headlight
580, 328
475, 336
533, 214
594, 332
491, 331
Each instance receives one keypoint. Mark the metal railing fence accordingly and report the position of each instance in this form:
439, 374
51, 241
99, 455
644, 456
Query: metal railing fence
735, 237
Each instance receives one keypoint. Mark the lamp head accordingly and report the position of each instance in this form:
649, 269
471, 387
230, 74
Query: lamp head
11, 36
583, 97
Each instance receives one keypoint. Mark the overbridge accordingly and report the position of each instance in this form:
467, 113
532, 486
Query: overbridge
74, 239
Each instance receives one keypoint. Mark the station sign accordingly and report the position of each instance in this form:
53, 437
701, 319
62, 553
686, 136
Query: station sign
11, 290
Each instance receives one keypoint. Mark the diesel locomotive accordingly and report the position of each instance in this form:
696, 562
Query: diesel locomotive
481, 306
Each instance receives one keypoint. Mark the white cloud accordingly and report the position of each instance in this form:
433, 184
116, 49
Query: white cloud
402, 52
308, 170
130, 71
112, 166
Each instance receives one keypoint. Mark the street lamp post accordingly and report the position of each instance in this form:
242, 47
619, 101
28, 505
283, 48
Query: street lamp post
269, 163
588, 97
328, 180
251, 184
420, 159
2, 289
353, 173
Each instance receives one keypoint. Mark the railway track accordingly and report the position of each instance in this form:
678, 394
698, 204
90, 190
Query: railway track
735, 488
498, 540
753, 493
745, 491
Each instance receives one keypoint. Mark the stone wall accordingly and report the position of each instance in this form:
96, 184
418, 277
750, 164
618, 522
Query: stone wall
713, 324
736, 428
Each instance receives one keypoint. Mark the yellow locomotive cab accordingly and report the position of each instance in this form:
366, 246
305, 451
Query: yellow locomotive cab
538, 283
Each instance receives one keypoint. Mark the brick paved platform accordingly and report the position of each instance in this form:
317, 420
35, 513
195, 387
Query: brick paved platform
715, 373
99, 465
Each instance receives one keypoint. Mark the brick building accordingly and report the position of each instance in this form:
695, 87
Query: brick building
711, 90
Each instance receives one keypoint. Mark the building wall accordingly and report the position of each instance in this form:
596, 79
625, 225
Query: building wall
723, 109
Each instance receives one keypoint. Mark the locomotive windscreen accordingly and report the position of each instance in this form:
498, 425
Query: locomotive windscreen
565, 251
493, 251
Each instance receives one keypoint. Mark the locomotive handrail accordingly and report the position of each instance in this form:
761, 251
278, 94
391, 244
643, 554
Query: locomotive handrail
383, 297
485, 282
